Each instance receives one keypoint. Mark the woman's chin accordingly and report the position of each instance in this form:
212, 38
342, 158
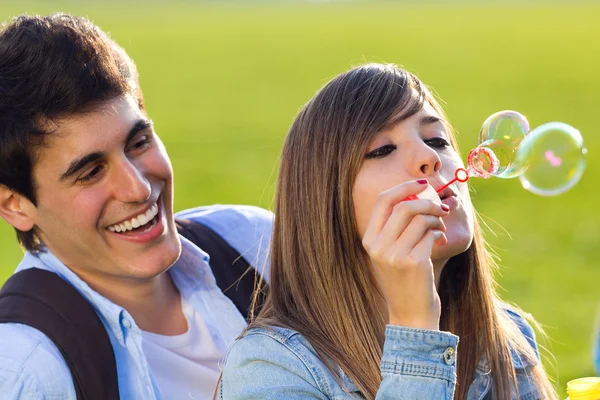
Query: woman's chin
458, 242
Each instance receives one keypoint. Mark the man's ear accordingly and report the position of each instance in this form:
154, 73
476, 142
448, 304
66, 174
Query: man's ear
16, 209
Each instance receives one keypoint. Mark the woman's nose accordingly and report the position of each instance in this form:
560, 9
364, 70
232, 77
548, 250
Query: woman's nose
427, 161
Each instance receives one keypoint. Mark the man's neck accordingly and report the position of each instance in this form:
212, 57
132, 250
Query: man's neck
154, 304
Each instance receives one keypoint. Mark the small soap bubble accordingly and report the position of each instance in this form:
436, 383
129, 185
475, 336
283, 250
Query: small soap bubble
500, 135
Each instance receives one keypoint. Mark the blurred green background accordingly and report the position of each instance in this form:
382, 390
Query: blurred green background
223, 82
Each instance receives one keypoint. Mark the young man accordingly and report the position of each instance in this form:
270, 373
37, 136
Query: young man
88, 186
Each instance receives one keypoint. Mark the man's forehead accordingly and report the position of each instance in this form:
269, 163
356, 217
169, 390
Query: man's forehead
96, 130
109, 118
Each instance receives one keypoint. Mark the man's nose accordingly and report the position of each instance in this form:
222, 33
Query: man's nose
131, 184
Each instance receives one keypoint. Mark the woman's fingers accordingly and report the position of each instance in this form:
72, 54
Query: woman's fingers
405, 212
402, 216
416, 231
391, 249
422, 250
384, 206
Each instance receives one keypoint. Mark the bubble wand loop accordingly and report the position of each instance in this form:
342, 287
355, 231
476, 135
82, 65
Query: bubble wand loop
478, 157
460, 175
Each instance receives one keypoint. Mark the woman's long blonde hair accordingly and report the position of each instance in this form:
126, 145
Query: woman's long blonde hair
321, 281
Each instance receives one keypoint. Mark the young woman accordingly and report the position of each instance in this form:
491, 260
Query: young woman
371, 292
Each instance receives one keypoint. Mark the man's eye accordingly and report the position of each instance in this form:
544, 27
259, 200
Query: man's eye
381, 151
437, 142
94, 173
142, 143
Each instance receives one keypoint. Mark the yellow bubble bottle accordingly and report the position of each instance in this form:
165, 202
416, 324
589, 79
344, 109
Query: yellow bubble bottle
584, 389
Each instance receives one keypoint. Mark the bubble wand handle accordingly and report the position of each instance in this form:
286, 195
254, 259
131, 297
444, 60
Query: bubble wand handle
460, 175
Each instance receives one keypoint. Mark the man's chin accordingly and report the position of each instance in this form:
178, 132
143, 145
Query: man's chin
170, 255
157, 260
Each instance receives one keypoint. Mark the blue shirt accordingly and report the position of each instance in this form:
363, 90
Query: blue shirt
31, 367
277, 363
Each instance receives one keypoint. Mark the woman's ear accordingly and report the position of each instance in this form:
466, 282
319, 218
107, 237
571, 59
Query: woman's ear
16, 209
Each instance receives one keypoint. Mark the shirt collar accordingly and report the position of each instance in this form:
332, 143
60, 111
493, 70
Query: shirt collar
189, 273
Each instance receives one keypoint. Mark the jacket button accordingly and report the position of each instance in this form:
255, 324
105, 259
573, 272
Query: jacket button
127, 324
450, 356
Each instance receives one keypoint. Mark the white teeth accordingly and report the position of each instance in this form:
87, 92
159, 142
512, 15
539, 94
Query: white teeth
142, 218
136, 222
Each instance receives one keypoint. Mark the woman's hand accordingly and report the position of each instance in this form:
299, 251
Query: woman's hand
399, 238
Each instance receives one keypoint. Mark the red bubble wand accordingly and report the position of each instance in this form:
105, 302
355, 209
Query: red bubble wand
461, 175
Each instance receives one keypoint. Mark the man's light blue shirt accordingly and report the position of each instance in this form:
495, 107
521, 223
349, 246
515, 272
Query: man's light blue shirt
31, 367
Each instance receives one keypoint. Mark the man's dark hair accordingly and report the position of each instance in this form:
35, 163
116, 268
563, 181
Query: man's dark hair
51, 67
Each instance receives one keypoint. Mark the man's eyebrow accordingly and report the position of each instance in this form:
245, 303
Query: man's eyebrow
140, 125
80, 163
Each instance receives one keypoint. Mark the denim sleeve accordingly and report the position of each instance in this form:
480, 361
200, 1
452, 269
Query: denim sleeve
259, 367
418, 364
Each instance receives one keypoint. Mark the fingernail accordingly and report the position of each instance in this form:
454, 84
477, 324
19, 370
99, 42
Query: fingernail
445, 207
422, 181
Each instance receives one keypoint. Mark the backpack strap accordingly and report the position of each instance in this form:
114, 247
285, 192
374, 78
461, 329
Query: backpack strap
45, 301
234, 275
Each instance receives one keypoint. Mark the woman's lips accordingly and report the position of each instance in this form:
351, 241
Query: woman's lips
451, 201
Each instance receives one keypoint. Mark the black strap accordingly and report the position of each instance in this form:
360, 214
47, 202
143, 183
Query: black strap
234, 275
45, 301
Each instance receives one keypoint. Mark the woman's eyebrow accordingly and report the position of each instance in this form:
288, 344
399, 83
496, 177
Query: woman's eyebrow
430, 119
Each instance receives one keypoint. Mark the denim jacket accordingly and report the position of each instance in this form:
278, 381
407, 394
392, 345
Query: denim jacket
278, 363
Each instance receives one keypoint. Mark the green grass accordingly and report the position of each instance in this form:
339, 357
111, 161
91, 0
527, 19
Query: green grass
223, 83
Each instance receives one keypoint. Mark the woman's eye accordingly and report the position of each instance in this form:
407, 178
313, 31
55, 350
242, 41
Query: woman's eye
381, 151
437, 142
94, 173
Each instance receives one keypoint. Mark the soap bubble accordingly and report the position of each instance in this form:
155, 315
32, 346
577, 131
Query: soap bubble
553, 159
